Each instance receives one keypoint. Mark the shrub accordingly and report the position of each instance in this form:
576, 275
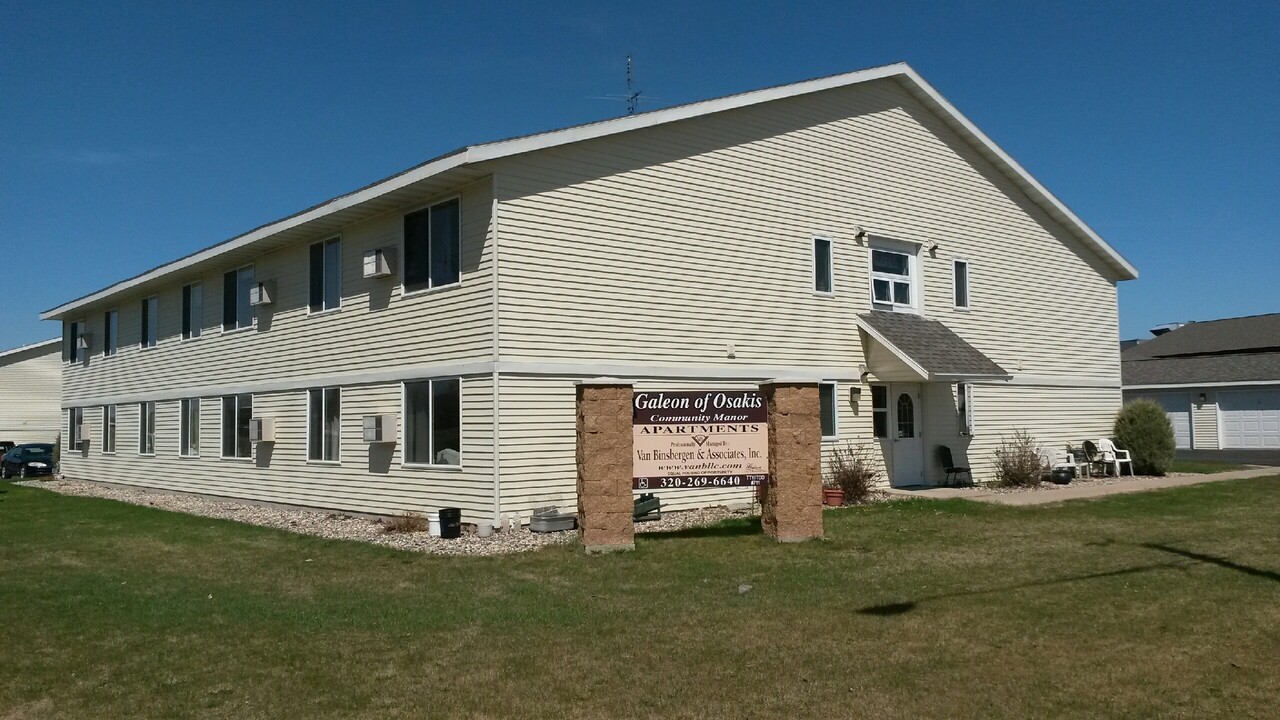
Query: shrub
405, 523
1018, 464
1143, 428
853, 470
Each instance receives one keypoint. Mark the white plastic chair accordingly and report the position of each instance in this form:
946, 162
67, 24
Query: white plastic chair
1058, 459
1113, 455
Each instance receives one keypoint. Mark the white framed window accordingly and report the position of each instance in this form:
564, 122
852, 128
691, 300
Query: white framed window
433, 422
326, 275
324, 424
147, 428
964, 408
880, 411
73, 335
237, 313
110, 332
192, 310
150, 322
893, 280
108, 429
433, 247
823, 275
75, 428
189, 427
960, 283
827, 394
237, 410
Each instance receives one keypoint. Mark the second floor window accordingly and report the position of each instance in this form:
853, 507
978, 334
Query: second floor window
236, 311
110, 332
150, 322
192, 310
892, 280
960, 283
822, 281
74, 334
326, 275
433, 246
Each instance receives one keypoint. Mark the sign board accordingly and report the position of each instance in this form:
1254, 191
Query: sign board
699, 439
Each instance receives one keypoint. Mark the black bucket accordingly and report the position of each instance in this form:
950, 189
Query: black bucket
450, 523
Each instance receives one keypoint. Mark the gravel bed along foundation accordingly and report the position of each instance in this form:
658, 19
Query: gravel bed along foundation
340, 526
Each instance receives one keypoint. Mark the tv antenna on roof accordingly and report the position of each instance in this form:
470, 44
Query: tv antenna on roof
633, 95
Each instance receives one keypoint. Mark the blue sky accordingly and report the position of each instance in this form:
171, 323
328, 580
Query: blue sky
134, 133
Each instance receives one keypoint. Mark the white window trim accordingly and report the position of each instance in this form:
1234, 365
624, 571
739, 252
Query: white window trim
115, 337
915, 276
115, 429
341, 304
222, 323
222, 424
200, 320
401, 259
968, 284
404, 425
964, 401
142, 428
831, 265
182, 418
835, 410
307, 396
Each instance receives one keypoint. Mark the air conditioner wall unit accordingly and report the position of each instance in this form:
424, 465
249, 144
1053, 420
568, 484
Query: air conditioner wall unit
380, 428
262, 293
377, 263
82, 342
262, 429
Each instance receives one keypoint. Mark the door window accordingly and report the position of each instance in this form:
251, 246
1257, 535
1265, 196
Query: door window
906, 417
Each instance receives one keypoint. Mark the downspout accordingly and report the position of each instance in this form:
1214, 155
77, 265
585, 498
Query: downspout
497, 476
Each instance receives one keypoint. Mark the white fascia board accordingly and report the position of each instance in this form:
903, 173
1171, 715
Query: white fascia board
905, 358
1194, 385
32, 346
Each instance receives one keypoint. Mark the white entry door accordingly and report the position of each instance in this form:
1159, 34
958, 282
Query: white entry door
1250, 419
906, 420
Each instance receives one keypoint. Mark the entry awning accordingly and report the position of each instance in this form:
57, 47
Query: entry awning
902, 346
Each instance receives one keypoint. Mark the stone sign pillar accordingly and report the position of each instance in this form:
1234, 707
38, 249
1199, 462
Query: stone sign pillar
604, 466
792, 504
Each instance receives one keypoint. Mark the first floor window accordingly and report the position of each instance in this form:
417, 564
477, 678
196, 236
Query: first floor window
324, 423
827, 401
189, 427
75, 426
433, 246
964, 406
110, 332
150, 321
880, 410
822, 281
146, 428
108, 428
433, 422
237, 410
960, 283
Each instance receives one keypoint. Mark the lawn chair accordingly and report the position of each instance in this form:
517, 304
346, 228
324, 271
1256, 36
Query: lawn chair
1094, 458
949, 465
1116, 457
1056, 459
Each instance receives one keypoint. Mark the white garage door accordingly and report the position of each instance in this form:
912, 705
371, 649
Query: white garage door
1250, 419
1178, 407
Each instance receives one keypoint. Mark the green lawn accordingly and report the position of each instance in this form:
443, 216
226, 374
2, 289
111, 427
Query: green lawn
1146, 605
1203, 467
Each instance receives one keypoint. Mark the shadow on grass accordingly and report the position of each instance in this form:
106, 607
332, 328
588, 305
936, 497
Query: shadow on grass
736, 527
1212, 560
899, 608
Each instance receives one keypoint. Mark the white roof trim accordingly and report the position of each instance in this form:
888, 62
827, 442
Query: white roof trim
32, 346
554, 138
869, 329
1193, 385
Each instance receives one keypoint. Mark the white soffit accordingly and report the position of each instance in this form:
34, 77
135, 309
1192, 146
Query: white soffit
903, 73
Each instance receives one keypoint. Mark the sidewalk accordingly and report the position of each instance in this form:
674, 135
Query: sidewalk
1059, 493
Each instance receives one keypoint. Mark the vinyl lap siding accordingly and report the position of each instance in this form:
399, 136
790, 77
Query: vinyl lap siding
30, 388
1204, 420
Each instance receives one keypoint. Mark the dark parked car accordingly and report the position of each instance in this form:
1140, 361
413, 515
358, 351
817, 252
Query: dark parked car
6, 446
27, 460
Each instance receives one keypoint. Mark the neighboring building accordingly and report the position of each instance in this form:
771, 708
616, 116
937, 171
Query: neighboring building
30, 393
855, 230
1219, 381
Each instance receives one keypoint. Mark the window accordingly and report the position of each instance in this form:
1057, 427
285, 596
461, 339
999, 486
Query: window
75, 427
192, 310
891, 279
822, 281
432, 247
880, 411
236, 311
237, 410
73, 333
326, 275
150, 321
827, 402
433, 428
189, 427
146, 428
964, 406
109, 428
110, 332
324, 423
960, 283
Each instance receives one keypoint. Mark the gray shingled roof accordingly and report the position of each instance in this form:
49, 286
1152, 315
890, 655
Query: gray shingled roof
1243, 349
1193, 369
931, 345
1244, 334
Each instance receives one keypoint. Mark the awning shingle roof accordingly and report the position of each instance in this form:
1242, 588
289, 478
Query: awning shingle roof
931, 345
